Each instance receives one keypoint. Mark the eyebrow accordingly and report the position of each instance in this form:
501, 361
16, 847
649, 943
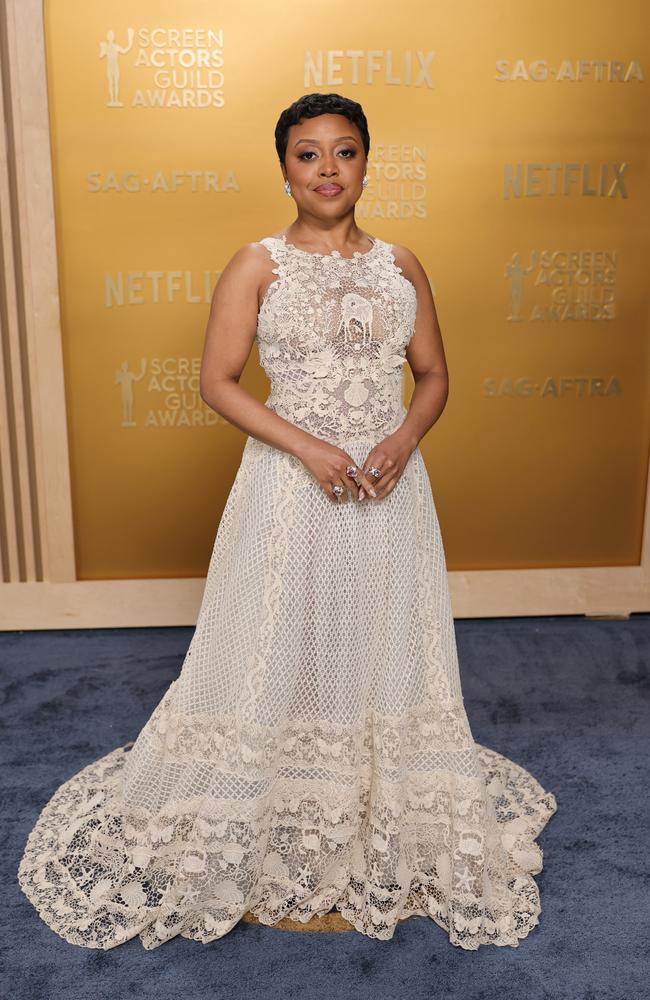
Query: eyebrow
317, 141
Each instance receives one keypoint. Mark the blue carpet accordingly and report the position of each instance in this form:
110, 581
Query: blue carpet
565, 697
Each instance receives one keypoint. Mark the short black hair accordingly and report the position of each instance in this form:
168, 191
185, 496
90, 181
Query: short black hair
312, 105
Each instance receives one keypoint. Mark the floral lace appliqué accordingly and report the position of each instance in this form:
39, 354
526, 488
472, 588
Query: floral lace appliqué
332, 337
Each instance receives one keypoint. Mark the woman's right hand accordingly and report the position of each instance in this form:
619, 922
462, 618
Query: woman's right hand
327, 463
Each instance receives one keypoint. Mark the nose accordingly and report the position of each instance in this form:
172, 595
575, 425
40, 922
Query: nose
328, 168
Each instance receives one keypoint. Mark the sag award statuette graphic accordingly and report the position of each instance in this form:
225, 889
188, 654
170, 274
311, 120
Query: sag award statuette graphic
110, 51
516, 271
125, 379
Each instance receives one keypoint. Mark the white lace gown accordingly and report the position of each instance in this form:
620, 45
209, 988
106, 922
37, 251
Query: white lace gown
314, 752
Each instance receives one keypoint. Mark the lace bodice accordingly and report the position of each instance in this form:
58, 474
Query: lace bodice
332, 335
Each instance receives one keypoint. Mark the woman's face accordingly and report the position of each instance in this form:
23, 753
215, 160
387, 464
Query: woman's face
325, 152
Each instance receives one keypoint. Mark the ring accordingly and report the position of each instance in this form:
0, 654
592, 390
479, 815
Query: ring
374, 471
351, 471
337, 490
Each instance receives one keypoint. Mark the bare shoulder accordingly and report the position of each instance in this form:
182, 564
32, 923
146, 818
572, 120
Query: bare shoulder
247, 273
251, 259
408, 262
412, 269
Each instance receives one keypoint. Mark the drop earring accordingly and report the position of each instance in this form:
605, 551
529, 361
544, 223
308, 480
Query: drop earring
365, 180
287, 187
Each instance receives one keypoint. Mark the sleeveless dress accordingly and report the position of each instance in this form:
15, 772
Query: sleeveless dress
314, 752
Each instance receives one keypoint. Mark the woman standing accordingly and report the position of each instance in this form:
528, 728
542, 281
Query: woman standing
314, 751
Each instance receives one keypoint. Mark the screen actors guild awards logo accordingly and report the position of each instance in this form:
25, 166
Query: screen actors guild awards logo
169, 397
171, 67
565, 285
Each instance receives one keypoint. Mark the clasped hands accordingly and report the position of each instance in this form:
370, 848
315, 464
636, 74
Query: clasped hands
328, 464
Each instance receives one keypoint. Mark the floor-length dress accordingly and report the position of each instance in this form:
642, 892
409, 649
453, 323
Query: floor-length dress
314, 752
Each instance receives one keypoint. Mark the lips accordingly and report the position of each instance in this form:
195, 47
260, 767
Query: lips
329, 188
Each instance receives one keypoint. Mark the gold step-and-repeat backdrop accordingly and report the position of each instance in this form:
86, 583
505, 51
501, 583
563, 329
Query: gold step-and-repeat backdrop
509, 151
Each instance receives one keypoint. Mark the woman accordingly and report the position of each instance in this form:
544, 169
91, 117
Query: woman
314, 752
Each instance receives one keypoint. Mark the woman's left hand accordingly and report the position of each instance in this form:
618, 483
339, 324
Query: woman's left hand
390, 456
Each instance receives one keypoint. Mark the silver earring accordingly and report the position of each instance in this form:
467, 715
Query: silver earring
287, 187
365, 180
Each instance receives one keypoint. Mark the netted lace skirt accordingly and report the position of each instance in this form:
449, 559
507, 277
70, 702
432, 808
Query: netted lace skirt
314, 752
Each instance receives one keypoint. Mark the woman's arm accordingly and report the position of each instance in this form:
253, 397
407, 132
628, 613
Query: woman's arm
425, 354
229, 337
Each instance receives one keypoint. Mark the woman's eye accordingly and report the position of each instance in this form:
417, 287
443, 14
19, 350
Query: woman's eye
310, 153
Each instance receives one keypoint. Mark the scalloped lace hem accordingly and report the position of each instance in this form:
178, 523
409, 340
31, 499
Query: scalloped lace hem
96, 892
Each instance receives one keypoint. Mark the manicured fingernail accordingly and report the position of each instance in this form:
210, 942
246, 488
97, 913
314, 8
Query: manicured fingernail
361, 493
372, 492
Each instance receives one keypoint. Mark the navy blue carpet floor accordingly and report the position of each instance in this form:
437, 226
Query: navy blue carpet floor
566, 697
